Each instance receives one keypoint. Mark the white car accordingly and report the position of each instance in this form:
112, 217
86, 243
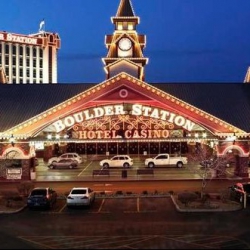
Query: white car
117, 161
73, 156
80, 196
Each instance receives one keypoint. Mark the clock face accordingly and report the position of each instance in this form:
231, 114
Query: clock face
125, 44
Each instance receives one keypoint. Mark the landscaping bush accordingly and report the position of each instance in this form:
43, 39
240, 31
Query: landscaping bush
24, 188
187, 197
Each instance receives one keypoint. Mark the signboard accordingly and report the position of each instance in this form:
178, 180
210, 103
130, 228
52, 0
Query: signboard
14, 173
9, 37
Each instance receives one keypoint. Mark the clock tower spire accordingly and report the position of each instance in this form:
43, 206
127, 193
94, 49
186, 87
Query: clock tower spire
125, 46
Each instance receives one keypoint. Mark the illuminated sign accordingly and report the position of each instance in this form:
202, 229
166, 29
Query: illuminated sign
127, 134
110, 110
8, 37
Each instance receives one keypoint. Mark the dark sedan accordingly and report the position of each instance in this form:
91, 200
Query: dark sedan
64, 163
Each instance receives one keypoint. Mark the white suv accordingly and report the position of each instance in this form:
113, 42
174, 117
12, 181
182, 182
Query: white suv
117, 161
73, 156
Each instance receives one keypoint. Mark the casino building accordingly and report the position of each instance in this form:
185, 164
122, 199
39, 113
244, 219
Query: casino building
29, 59
123, 114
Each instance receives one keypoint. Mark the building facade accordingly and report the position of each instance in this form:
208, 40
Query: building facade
123, 114
29, 59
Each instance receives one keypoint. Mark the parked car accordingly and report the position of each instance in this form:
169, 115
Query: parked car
73, 156
117, 161
64, 163
42, 197
80, 196
238, 189
165, 160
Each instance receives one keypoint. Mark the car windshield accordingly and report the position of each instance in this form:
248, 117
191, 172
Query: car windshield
39, 192
79, 191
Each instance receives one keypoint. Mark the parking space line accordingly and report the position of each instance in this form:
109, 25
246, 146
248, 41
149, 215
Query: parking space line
100, 208
85, 169
62, 208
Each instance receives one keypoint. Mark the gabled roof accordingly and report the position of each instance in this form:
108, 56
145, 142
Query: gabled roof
220, 104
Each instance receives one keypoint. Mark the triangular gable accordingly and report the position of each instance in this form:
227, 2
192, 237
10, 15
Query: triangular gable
123, 65
118, 87
122, 61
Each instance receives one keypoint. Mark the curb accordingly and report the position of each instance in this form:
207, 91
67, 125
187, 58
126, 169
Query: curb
190, 210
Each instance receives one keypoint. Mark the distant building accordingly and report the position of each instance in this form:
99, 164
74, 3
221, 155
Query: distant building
3, 78
29, 58
247, 77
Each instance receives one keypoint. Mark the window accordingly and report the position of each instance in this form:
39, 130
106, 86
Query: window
20, 61
6, 60
34, 52
41, 64
41, 53
6, 48
14, 49
14, 60
130, 26
27, 51
119, 26
21, 50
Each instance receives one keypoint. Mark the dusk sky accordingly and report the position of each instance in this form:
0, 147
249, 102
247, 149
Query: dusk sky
187, 40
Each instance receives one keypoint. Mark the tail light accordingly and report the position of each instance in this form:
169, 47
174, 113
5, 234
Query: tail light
84, 197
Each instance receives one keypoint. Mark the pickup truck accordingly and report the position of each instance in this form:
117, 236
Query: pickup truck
165, 160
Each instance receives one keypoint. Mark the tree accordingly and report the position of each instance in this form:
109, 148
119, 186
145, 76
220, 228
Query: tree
211, 165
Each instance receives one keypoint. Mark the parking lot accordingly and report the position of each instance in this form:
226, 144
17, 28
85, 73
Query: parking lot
114, 205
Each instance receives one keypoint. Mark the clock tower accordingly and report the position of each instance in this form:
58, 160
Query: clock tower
125, 46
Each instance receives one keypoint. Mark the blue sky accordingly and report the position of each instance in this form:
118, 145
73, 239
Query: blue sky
187, 40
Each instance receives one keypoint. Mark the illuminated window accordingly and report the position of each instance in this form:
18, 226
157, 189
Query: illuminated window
130, 26
119, 26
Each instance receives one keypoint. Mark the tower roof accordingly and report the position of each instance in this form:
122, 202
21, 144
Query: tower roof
125, 9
